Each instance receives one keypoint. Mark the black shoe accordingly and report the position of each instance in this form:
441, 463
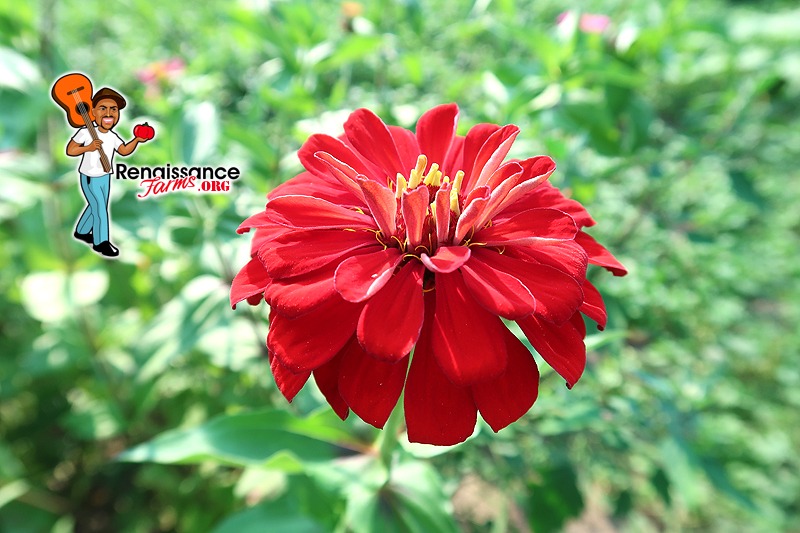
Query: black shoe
85, 237
106, 248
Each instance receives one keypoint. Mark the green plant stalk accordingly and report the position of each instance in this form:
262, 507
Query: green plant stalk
388, 440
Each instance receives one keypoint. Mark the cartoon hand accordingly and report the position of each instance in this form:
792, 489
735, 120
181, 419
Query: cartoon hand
94, 145
142, 139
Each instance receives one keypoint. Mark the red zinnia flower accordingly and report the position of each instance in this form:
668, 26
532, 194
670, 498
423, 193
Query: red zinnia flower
393, 241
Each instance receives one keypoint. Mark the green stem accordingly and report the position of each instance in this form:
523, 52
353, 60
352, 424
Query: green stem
389, 438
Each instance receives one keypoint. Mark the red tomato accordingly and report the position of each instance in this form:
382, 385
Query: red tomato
144, 131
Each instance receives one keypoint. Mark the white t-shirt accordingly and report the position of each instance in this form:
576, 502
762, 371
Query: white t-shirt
90, 161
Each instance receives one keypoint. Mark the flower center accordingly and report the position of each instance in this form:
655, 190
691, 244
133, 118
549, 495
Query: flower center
428, 207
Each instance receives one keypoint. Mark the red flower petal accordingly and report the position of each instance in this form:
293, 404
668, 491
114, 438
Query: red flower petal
288, 383
529, 228
437, 411
346, 175
599, 255
327, 379
492, 154
414, 205
391, 321
557, 294
443, 213
497, 291
506, 171
309, 341
535, 172
436, 130
593, 305
544, 194
298, 252
382, 204
475, 139
561, 346
308, 184
455, 156
370, 387
506, 398
258, 220
509, 173
360, 277
466, 222
446, 259
252, 279
370, 136
465, 335
308, 212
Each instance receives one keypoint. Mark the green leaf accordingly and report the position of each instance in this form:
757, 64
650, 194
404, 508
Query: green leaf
247, 439
279, 515
421, 501
555, 498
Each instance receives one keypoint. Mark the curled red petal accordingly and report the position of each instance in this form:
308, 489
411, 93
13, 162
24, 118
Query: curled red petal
309, 341
465, 334
497, 291
492, 154
327, 379
506, 398
343, 173
360, 277
301, 251
382, 204
511, 173
370, 136
535, 172
391, 321
443, 213
466, 222
475, 139
414, 205
309, 184
437, 411
436, 130
252, 279
288, 382
560, 345
370, 387
307, 212
511, 170
446, 259
599, 255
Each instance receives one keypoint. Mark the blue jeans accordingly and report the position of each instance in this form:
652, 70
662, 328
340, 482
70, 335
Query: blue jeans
95, 216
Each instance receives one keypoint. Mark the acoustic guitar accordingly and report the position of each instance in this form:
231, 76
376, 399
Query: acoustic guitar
73, 93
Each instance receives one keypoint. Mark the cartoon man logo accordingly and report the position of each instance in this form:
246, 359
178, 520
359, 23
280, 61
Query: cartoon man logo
95, 142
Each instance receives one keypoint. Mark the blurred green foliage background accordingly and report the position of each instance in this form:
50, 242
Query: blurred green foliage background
677, 126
